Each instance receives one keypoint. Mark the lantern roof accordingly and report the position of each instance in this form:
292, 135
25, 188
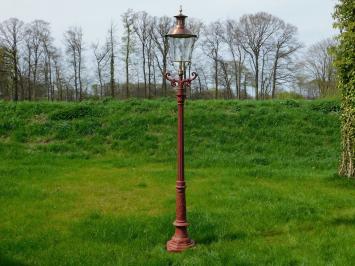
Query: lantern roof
179, 30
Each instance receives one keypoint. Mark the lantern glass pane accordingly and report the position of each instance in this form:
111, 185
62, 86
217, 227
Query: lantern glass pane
181, 49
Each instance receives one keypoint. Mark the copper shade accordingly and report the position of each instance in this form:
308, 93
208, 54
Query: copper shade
179, 30
181, 40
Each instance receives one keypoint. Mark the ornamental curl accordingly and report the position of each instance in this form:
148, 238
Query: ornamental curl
173, 81
194, 76
188, 81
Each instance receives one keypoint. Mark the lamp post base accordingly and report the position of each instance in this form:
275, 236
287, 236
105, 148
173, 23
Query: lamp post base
179, 244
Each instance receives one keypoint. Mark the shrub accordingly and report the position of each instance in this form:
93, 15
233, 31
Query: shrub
326, 106
288, 95
74, 112
291, 103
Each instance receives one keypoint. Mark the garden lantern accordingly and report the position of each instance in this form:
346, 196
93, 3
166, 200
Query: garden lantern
181, 42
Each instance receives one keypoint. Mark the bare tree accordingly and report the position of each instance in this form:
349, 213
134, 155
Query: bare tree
285, 45
11, 36
101, 59
255, 31
151, 54
128, 43
212, 45
232, 38
226, 74
142, 24
22, 71
59, 80
36, 28
28, 58
196, 26
266, 70
303, 85
48, 52
257, 51
5, 75
74, 48
70, 37
160, 28
319, 66
112, 44
79, 48
202, 78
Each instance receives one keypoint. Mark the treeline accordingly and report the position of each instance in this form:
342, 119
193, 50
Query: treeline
258, 56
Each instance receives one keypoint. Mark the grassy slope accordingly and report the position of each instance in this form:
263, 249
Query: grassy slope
93, 184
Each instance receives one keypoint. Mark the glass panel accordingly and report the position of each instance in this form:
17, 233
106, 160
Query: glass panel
181, 49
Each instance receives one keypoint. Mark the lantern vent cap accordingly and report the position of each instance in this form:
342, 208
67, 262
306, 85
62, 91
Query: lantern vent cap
179, 30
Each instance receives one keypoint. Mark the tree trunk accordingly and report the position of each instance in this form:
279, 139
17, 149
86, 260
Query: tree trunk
46, 78
144, 73
22, 86
15, 78
79, 77
127, 62
262, 87
35, 74
50, 79
155, 84
149, 73
29, 75
237, 89
274, 75
347, 165
216, 78
245, 86
75, 78
67, 92
164, 79
239, 81
112, 73
257, 78
199, 84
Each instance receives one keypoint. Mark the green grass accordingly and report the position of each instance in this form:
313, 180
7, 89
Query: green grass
94, 183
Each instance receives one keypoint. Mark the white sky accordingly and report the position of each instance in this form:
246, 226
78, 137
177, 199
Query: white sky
312, 17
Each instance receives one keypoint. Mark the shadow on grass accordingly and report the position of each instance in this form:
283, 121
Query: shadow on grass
146, 231
208, 228
149, 231
344, 221
5, 261
341, 181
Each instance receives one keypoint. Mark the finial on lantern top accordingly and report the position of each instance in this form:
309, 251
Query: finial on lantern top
180, 10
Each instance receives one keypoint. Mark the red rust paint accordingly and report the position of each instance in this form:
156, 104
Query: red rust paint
180, 240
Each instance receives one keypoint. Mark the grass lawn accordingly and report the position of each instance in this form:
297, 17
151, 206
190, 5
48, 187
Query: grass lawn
94, 184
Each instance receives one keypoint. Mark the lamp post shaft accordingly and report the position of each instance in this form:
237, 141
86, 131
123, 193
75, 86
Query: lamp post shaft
180, 241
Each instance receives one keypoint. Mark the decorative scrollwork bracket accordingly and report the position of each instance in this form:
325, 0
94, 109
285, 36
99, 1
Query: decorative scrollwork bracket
173, 82
187, 82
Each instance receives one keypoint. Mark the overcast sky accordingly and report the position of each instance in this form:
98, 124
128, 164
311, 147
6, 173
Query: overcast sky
312, 17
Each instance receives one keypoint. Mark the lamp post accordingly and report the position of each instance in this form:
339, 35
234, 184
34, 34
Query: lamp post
181, 42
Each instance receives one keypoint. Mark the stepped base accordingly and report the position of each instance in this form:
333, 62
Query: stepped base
179, 244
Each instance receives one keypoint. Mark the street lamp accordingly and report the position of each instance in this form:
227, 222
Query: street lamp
181, 42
